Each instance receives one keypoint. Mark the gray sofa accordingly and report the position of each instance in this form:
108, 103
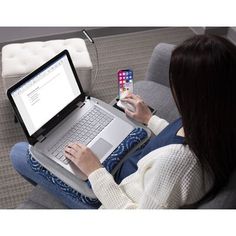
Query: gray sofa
155, 92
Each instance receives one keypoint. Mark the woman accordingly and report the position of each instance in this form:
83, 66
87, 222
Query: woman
188, 159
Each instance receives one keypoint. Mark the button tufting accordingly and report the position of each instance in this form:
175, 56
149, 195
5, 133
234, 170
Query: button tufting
23, 58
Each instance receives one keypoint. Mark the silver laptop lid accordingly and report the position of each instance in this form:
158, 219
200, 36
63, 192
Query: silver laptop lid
46, 96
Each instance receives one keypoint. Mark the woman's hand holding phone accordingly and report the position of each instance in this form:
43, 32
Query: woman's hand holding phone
141, 113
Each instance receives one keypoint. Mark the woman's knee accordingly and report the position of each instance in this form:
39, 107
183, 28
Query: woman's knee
18, 154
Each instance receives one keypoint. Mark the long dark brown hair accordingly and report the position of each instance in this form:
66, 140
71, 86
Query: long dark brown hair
203, 82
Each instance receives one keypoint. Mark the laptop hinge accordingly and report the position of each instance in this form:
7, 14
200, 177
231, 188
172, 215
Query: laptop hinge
41, 138
81, 104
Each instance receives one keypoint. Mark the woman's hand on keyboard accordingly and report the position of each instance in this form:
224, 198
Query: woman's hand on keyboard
83, 158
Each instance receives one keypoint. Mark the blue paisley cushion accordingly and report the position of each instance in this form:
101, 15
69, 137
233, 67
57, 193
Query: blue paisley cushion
133, 139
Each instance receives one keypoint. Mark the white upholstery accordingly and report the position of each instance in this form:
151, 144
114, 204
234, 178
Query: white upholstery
22, 58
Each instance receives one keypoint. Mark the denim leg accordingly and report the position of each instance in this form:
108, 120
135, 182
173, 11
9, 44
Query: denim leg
24, 164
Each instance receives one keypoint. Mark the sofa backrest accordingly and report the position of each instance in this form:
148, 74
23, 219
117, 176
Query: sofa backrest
158, 67
225, 199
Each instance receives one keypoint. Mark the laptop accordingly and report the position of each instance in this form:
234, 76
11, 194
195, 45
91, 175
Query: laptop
53, 111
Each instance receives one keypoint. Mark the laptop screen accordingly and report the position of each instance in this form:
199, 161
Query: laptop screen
46, 94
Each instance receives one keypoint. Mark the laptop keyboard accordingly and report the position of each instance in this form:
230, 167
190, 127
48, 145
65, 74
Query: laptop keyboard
84, 131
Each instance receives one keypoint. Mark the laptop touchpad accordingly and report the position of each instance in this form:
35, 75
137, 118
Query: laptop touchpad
101, 147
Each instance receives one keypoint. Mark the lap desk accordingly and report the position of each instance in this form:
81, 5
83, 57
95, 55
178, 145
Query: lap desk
112, 163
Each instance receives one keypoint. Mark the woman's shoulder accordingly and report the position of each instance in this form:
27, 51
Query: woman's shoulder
179, 154
171, 156
173, 163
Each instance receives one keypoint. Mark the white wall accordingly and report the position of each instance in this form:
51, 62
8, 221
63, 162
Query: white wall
8, 34
24, 34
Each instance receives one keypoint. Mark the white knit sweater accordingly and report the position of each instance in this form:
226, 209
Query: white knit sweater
168, 177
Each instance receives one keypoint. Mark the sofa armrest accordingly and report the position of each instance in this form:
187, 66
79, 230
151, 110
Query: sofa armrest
158, 67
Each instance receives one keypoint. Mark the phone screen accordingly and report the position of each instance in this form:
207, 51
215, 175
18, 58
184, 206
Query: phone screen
125, 82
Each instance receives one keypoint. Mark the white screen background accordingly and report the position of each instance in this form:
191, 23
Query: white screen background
46, 94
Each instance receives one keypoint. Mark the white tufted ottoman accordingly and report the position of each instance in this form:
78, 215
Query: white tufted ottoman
20, 59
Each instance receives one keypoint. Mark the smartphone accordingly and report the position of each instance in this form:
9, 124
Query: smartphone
125, 82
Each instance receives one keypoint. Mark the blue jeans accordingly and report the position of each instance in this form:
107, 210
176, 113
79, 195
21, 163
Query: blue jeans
23, 163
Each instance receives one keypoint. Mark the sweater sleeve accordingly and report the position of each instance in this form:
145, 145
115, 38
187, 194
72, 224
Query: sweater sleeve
156, 124
172, 183
108, 191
